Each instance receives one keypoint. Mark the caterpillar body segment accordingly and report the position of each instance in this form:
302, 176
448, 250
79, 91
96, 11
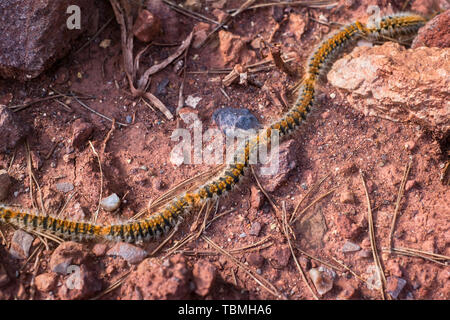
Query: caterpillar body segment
165, 219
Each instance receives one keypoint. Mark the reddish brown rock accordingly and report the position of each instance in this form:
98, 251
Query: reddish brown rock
200, 34
155, 281
170, 21
391, 82
35, 34
395, 285
99, 249
46, 282
233, 48
346, 227
281, 164
436, 33
5, 184
255, 259
297, 23
278, 256
349, 289
11, 128
256, 198
347, 197
147, 26
4, 278
81, 131
204, 274
68, 253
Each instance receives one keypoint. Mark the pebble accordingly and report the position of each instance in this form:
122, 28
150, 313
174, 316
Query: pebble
129, 119
347, 197
255, 229
229, 119
350, 247
242, 235
255, 259
64, 187
147, 26
322, 279
20, 244
192, 101
66, 254
5, 184
204, 274
256, 198
395, 285
127, 251
46, 282
110, 203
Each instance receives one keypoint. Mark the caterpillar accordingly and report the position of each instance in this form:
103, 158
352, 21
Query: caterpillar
165, 219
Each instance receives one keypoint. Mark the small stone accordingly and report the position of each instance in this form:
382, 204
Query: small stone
66, 254
410, 184
278, 256
394, 285
12, 129
64, 187
322, 279
105, 43
350, 247
242, 235
347, 197
436, 32
147, 26
255, 229
346, 228
81, 131
364, 254
99, 249
110, 203
128, 119
127, 251
4, 278
193, 5
20, 244
204, 275
46, 282
410, 145
255, 259
256, 198
5, 184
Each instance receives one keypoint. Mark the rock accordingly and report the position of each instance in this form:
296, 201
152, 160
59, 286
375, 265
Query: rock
428, 7
436, 33
276, 170
297, 23
346, 228
64, 187
154, 281
255, 228
5, 184
147, 26
322, 279
204, 274
256, 197
347, 197
192, 101
255, 259
68, 253
394, 285
81, 131
46, 282
4, 278
349, 289
233, 48
110, 203
194, 5
350, 247
80, 284
12, 129
170, 21
35, 34
20, 244
364, 254
127, 251
391, 82
230, 119
278, 256
99, 249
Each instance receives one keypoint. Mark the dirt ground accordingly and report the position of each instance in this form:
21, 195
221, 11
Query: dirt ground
336, 142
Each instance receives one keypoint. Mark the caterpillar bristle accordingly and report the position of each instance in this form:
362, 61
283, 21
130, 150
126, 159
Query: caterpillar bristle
163, 221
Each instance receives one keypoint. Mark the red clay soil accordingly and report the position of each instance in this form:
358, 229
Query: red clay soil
336, 140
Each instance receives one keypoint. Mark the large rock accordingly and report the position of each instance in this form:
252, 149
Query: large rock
392, 82
34, 34
12, 130
436, 33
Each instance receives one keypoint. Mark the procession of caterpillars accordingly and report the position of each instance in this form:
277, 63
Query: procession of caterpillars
160, 222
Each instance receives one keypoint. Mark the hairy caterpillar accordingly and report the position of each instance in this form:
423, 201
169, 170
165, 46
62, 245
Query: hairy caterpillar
162, 221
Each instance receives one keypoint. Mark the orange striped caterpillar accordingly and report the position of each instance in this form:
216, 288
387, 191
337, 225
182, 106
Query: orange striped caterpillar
162, 221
